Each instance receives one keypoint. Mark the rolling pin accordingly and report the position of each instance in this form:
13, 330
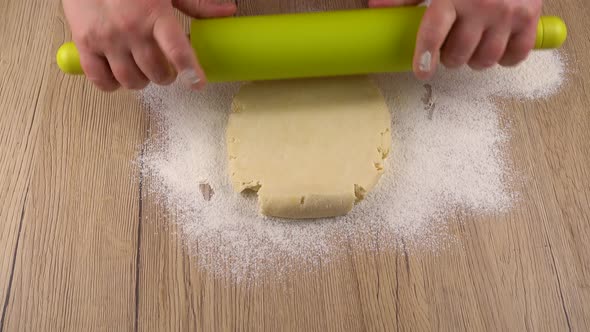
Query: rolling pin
345, 42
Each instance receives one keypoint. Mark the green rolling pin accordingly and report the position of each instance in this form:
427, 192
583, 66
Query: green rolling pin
315, 44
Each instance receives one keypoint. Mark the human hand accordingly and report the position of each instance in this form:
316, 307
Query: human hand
131, 42
480, 33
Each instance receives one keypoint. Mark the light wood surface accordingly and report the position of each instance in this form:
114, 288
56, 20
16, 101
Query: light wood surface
80, 251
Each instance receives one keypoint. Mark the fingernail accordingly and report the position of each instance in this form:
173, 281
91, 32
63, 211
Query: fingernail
189, 77
425, 62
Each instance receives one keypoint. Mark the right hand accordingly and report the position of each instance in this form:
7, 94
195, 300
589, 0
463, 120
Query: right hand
132, 42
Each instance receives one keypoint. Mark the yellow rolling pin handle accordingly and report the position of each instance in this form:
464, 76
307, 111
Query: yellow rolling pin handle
68, 59
551, 34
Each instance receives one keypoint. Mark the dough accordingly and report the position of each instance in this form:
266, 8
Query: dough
311, 148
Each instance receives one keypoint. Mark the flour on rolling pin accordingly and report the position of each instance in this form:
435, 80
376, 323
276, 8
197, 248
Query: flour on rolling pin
440, 162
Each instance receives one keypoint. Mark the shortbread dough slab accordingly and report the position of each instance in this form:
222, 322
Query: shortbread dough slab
311, 148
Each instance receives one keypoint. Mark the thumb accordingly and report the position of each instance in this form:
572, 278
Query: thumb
393, 3
205, 8
176, 47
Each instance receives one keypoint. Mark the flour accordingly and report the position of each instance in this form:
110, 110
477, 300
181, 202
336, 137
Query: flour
447, 156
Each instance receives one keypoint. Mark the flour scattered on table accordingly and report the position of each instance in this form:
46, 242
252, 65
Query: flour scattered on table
447, 156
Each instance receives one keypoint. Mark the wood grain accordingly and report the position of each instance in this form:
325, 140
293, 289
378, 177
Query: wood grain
73, 259
79, 250
21, 92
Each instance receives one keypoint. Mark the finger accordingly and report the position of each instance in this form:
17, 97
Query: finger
177, 49
434, 28
202, 9
490, 50
97, 70
152, 62
519, 47
392, 3
461, 43
126, 71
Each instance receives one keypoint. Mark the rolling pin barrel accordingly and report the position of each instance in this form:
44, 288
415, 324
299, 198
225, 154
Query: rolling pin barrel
311, 44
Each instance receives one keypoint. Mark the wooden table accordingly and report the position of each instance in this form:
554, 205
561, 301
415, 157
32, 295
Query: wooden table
77, 252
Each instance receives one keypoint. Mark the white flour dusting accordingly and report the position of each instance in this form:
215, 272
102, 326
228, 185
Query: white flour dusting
447, 156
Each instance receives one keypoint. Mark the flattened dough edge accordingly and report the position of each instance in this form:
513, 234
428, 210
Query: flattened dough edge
311, 148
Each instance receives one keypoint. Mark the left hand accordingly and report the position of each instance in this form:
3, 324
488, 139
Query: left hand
480, 33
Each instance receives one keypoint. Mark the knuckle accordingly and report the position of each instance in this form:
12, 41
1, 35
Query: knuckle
506, 11
464, 36
131, 81
124, 78
483, 63
177, 54
494, 51
130, 23
519, 56
154, 69
430, 43
143, 84
441, 18
487, 4
509, 62
434, 20
85, 39
522, 47
127, 84
96, 80
140, 82
169, 80
105, 34
161, 76
106, 87
454, 59
459, 47
520, 50
168, 77
434, 28
524, 15
475, 65
516, 54
138, 85
489, 55
432, 37
480, 63
84, 42
93, 72
103, 83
